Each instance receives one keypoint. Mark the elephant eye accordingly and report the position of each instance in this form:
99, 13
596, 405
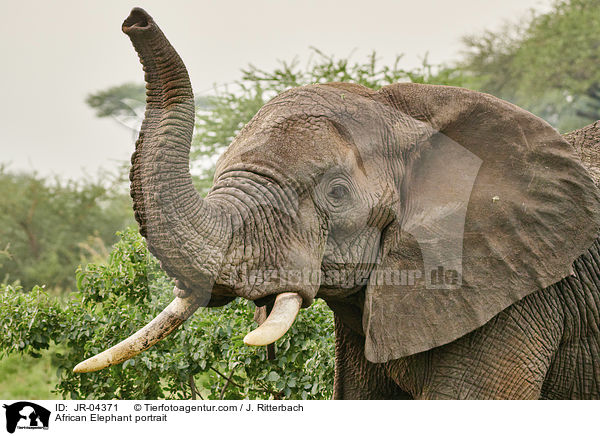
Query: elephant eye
338, 192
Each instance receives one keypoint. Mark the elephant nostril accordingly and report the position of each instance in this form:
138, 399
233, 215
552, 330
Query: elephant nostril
138, 19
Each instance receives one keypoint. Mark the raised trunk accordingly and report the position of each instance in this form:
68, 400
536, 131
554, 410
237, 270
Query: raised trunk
187, 234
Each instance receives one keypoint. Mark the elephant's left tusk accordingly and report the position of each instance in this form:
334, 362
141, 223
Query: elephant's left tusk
280, 320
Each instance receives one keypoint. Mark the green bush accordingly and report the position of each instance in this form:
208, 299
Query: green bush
204, 358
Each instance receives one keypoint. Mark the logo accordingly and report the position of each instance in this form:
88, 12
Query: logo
26, 415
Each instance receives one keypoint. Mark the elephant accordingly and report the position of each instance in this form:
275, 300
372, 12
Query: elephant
454, 235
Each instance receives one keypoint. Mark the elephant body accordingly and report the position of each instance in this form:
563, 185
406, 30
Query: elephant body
545, 346
453, 234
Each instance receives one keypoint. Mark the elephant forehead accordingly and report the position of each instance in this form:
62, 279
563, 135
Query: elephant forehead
309, 129
339, 102
292, 149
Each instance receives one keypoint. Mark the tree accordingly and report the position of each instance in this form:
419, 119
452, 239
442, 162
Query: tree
547, 63
47, 228
118, 101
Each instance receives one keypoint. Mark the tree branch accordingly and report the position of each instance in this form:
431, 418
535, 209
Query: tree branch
195, 390
226, 378
264, 389
226, 383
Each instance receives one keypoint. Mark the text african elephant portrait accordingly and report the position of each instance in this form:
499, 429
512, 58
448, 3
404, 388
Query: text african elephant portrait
453, 234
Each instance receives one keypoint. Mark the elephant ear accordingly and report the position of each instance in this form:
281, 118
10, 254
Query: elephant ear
493, 205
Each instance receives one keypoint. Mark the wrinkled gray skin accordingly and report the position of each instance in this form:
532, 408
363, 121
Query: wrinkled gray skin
545, 346
323, 178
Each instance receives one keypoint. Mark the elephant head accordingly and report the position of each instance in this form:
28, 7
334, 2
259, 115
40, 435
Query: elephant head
434, 207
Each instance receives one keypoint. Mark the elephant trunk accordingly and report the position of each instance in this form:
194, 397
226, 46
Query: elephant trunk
186, 233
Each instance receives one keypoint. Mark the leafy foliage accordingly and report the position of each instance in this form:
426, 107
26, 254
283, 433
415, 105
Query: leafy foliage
47, 228
206, 357
29, 320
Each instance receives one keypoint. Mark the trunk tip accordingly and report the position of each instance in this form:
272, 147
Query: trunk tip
138, 19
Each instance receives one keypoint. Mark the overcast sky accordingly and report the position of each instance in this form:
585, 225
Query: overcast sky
56, 52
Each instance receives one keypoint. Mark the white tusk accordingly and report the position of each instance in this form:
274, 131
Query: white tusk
280, 320
168, 320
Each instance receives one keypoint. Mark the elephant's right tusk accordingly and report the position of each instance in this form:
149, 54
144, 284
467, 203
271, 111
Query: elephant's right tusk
168, 320
280, 320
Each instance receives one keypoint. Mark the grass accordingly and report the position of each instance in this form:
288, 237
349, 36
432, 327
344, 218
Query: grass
25, 377
28, 378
